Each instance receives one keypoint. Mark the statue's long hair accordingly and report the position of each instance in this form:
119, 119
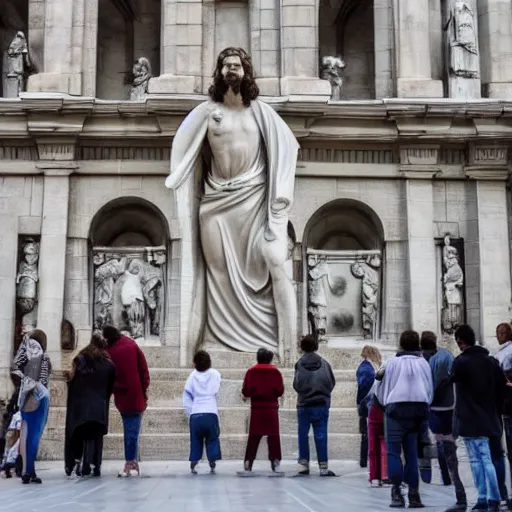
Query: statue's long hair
248, 88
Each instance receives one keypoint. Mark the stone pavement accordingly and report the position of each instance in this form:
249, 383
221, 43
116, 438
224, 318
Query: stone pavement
167, 486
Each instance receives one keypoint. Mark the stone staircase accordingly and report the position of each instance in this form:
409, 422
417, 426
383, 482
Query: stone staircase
165, 427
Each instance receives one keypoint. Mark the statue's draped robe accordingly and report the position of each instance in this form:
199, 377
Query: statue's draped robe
226, 288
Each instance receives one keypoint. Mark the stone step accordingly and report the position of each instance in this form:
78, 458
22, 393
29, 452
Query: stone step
168, 393
233, 420
176, 447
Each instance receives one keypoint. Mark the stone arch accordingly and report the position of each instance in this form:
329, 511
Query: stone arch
344, 224
346, 29
129, 221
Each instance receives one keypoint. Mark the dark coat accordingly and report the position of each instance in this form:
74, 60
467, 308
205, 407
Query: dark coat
365, 376
313, 381
263, 384
132, 376
88, 403
480, 386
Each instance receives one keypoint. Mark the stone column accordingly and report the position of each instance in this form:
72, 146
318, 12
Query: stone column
52, 256
180, 48
414, 71
299, 51
383, 44
422, 255
495, 35
8, 255
57, 73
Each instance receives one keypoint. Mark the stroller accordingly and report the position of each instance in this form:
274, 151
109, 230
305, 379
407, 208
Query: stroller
10, 438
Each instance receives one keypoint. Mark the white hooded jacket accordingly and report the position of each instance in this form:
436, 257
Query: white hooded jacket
200, 393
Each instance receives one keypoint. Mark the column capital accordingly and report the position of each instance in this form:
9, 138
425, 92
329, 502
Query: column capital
419, 161
56, 149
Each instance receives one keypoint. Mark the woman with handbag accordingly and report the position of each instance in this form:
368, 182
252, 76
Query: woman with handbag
30, 371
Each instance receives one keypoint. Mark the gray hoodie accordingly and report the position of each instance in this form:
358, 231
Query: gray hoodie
314, 381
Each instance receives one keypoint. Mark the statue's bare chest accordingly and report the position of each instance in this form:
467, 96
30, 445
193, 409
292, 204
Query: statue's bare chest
228, 123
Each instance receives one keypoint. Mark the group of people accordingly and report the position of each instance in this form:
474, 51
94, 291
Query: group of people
426, 389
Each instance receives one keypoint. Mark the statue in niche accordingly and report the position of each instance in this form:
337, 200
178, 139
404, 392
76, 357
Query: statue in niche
332, 68
238, 288
317, 298
141, 76
19, 66
453, 282
127, 292
462, 40
368, 272
26, 281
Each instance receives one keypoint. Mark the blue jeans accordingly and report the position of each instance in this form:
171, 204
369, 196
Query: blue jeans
204, 430
498, 460
484, 474
318, 417
131, 427
32, 427
402, 435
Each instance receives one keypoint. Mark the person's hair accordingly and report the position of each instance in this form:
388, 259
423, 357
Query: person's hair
372, 354
264, 356
248, 88
39, 336
111, 334
428, 340
96, 353
309, 343
410, 341
202, 361
465, 334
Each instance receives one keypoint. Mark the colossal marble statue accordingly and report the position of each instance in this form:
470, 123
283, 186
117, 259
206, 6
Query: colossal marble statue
317, 297
26, 281
234, 287
453, 280
462, 40
331, 71
18, 66
141, 76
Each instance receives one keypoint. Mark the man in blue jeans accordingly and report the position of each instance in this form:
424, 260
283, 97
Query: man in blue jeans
313, 382
405, 390
480, 388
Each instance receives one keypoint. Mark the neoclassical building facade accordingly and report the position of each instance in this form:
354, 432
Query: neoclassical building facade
401, 216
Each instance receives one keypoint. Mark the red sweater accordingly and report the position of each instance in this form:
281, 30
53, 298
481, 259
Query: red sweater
263, 384
132, 376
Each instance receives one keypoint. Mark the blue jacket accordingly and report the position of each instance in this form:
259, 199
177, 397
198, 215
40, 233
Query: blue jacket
365, 376
441, 363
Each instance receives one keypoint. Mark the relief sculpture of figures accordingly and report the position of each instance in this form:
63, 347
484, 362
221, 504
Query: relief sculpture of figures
462, 40
141, 76
332, 68
26, 281
19, 66
453, 281
237, 286
317, 297
369, 273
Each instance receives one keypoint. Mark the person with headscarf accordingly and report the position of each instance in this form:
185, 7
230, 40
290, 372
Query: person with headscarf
89, 389
31, 370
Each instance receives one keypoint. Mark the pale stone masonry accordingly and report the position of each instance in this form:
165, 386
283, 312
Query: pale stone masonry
387, 173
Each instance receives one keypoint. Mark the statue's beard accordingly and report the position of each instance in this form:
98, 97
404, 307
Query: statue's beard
233, 82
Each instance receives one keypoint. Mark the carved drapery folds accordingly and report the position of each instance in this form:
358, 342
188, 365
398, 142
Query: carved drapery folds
128, 290
18, 66
343, 293
27, 284
453, 288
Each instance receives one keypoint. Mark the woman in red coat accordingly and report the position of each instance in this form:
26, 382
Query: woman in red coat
263, 384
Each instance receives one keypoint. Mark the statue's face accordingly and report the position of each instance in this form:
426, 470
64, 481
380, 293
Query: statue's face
137, 68
232, 69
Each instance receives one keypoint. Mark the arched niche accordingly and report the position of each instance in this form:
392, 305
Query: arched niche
127, 30
342, 261
129, 239
346, 29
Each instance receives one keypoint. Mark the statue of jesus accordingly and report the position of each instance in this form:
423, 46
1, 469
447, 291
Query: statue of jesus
233, 171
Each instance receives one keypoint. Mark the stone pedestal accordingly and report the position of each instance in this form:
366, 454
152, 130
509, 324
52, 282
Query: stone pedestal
422, 256
52, 263
414, 73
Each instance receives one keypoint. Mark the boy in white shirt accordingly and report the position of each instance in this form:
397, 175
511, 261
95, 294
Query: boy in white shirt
12, 446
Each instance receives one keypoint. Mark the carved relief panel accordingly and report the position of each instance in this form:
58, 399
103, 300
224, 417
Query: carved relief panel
129, 290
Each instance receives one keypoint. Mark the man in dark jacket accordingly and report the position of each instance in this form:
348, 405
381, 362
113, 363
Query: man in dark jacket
480, 386
314, 382
441, 415
130, 391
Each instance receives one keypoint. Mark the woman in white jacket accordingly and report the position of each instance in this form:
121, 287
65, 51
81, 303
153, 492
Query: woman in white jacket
200, 404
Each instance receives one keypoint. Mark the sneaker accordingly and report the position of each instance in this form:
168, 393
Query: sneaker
126, 471
135, 469
493, 506
480, 505
303, 469
375, 483
193, 469
327, 472
96, 472
247, 466
275, 465
414, 499
458, 507
213, 465
397, 500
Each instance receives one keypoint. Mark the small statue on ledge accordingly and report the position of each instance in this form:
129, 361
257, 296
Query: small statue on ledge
19, 66
331, 71
141, 76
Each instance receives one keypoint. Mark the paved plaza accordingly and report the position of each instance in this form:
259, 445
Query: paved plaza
167, 486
